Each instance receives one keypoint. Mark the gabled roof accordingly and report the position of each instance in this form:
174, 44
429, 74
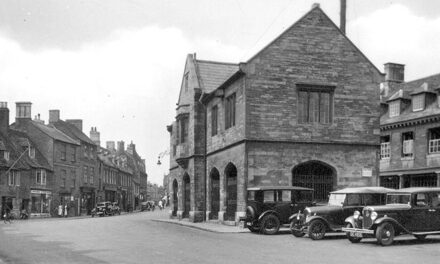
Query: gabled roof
212, 74
54, 133
24, 141
15, 152
399, 95
72, 131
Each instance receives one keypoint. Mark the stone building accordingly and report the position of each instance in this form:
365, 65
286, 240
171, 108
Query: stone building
61, 152
303, 111
410, 130
87, 159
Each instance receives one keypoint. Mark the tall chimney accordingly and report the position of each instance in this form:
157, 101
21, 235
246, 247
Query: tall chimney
78, 123
121, 146
110, 145
343, 15
131, 148
394, 72
23, 111
4, 118
95, 136
54, 116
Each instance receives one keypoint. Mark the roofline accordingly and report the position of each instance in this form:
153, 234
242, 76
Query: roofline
206, 97
415, 80
75, 143
217, 62
331, 21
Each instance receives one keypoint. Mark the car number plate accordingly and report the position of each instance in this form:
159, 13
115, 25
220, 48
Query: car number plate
356, 234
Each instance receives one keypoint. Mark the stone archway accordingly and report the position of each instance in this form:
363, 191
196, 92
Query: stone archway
175, 197
231, 192
186, 196
215, 193
316, 175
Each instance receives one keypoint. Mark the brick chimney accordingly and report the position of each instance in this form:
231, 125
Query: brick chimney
95, 136
38, 119
131, 148
343, 15
394, 72
4, 117
78, 123
110, 145
121, 146
54, 116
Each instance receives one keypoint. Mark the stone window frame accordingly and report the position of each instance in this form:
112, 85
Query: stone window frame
407, 149
41, 177
304, 117
85, 174
230, 110
418, 102
434, 140
13, 178
214, 120
63, 151
385, 147
182, 131
394, 107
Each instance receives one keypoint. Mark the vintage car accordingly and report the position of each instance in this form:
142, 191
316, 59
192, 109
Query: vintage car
269, 207
115, 209
102, 209
414, 211
317, 221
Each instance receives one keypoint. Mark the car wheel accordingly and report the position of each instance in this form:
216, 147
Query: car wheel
317, 230
295, 229
385, 234
351, 237
270, 224
420, 237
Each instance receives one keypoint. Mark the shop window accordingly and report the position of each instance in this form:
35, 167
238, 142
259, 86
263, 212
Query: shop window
385, 149
408, 144
434, 140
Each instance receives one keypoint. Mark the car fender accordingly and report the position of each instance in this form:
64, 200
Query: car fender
381, 220
317, 217
268, 213
350, 220
296, 216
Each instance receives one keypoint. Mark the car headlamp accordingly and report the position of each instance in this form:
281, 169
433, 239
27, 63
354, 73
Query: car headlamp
356, 215
373, 215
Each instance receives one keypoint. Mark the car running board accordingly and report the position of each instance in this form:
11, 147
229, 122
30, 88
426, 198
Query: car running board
426, 233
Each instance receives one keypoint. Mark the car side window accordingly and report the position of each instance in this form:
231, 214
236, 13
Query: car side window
371, 199
353, 199
421, 200
286, 196
269, 196
435, 199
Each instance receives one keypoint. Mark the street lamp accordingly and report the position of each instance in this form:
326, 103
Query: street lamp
161, 155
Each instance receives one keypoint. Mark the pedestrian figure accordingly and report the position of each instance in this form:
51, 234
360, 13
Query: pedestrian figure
160, 204
65, 210
60, 210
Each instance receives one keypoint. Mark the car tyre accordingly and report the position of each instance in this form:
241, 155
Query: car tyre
385, 234
317, 230
352, 238
294, 229
254, 229
270, 224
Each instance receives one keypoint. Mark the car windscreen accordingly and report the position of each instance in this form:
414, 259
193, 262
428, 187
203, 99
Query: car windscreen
336, 199
303, 196
395, 198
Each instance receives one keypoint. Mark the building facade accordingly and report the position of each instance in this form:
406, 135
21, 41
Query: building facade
303, 111
410, 130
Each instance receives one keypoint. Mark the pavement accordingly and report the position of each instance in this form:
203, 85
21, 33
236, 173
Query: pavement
206, 226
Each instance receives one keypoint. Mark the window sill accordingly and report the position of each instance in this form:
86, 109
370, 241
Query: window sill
407, 158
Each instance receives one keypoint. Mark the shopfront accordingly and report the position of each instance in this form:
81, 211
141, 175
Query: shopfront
87, 200
40, 203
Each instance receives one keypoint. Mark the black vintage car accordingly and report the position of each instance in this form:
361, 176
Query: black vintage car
269, 207
414, 211
103, 209
317, 221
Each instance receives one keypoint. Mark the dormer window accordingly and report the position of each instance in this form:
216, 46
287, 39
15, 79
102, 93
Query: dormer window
418, 102
395, 108
32, 152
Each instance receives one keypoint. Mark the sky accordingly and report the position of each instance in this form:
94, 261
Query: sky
118, 64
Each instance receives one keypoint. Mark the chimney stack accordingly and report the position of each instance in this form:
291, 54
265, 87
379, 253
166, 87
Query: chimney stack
110, 145
394, 72
37, 119
78, 123
131, 148
121, 146
54, 116
343, 15
95, 136
4, 117
23, 111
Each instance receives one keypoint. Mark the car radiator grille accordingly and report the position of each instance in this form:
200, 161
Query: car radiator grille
366, 221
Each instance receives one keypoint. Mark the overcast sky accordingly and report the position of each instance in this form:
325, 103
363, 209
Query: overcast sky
118, 64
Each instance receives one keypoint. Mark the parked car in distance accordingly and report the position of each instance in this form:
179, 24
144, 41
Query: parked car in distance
269, 207
414, 211
115, 209
102, 209
147, 206
317, 221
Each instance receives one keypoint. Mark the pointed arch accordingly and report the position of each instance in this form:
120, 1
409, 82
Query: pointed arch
214, 176
231, 191
186, 195
175, 197
317, 175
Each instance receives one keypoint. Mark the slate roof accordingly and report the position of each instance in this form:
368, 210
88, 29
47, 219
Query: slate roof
429, 85
72, 131
15, 151
212, 74
54, 133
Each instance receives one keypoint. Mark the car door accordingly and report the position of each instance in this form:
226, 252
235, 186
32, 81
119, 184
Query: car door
353, 202
434, 211
284, 205
418, 217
